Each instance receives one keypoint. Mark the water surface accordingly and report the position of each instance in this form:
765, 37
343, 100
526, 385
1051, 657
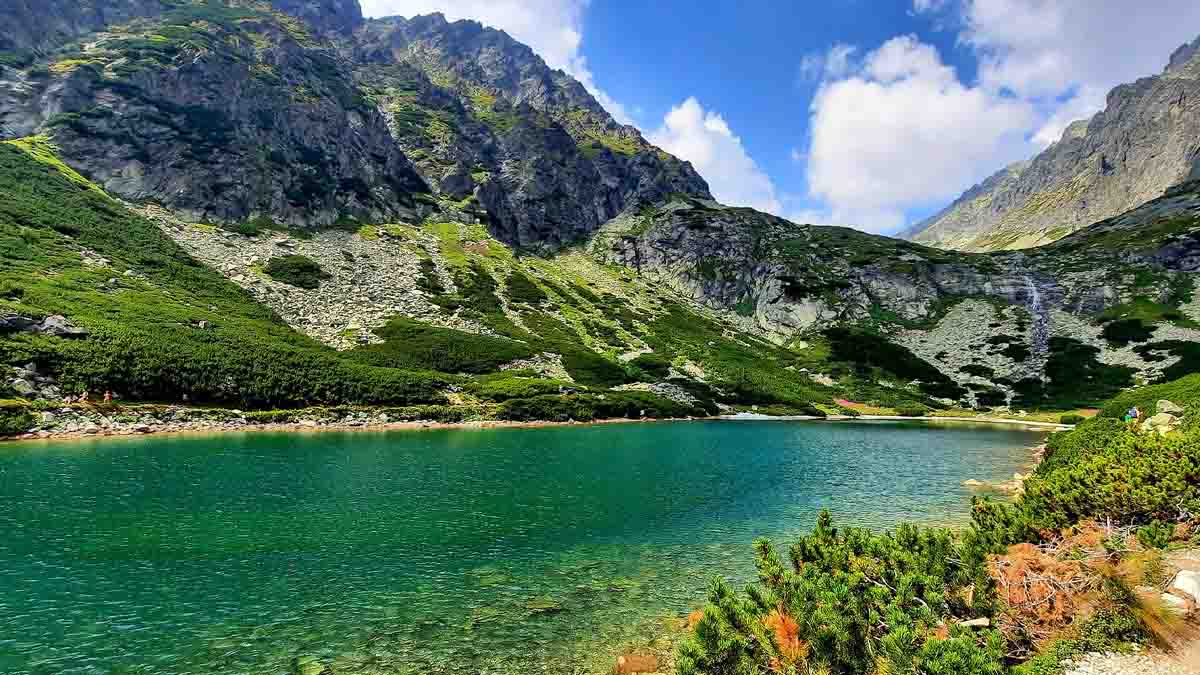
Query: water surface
454, 551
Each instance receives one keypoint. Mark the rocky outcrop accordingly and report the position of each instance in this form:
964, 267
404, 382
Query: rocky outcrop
42, 24
489, 122
53, 326
236, 117
1146, 140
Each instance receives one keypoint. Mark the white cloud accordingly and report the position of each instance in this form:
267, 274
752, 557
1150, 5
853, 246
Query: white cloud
1039, 48
704, 138
552, 28
833, 63
901, 130
1065, 55
904, 132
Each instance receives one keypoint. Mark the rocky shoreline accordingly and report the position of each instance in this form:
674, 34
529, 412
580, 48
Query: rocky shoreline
80, 421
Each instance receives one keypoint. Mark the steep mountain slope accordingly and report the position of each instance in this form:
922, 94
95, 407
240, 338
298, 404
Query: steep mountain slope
435, 204
1146, 140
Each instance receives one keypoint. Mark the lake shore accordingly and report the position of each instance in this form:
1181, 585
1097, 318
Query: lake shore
82, 422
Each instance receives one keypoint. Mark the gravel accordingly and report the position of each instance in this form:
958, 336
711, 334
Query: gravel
1130, 664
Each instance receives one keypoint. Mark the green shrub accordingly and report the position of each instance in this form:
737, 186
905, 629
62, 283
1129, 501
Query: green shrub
862, 602
1184, 392
583, 407
867, 352
415, 345
1187, 355
296, 270
655, 367
1156, 535
522, 289
1071, 418
14, 419
1075, 378
1121, 332
977, 370
504, 387
912, 411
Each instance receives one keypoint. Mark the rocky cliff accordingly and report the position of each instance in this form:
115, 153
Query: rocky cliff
300, 113
1145, 140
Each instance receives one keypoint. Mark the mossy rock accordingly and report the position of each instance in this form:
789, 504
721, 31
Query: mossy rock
543, 605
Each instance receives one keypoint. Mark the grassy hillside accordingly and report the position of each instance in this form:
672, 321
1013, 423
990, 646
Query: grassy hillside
164, 327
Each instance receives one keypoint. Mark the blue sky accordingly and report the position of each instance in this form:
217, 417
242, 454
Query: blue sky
871, 114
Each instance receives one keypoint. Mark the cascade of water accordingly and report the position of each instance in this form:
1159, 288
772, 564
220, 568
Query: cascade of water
1041, 328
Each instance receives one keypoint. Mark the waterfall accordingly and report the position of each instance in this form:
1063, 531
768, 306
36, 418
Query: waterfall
1041, 324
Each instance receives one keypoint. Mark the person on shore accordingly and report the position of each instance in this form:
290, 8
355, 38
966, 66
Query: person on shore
83, 398
1133, 415
108, 396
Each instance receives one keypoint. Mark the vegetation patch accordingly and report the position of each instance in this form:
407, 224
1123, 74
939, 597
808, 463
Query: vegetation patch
523, 289
1075, 378
1187, 353
870, 354
146, 341
583, 407
296, 270
14, 419
1122, 332
415, 345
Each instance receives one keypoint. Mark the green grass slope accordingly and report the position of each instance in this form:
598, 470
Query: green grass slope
163, 326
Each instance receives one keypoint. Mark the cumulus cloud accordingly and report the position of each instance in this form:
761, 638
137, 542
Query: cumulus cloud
703, 138
552, 28
903, 132
1065, 55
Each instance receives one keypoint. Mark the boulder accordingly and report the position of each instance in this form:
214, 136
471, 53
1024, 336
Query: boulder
1165, 406
58, 326
24, 388
13, 323
1187, 583
1162, 423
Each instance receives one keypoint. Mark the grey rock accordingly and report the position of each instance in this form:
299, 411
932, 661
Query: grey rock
1165, 406
59, 326
13, 323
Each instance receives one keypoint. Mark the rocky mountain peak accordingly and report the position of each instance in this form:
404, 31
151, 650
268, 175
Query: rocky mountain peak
1142, 143
1184, 58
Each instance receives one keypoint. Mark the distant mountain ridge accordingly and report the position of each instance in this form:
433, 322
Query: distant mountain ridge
1146, 140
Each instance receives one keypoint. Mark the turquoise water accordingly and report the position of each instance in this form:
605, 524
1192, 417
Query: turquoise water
453, 551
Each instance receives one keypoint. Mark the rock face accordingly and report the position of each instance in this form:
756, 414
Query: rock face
233, 114
1146, 140
527, 147
237, 113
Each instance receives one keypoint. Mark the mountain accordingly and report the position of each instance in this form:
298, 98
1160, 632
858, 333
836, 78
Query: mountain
1146, 140
277, 205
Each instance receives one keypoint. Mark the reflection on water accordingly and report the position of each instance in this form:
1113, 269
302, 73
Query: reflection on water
462, 551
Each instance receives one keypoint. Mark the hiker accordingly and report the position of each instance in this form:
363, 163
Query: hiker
1133, 415
108, 396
